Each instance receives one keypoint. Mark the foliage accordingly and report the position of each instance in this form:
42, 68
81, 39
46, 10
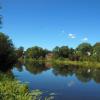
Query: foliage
78, 63
85, 49
36, 52
7, 51
96, 52
61, 51
20, 52
8, 54
11, 89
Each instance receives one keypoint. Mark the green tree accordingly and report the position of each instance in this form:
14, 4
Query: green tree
97, 44
96, 51
61, 51
36, 52
85, 48
56, 52
71, 55
7, 51
20, 52
64, 51
85, 51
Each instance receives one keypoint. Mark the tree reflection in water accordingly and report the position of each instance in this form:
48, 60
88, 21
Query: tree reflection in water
19, 66
83, 74
35, 67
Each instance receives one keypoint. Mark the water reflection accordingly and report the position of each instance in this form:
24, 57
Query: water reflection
19, 66
63, 70
35, 67
83, 74
66, 81
96, 75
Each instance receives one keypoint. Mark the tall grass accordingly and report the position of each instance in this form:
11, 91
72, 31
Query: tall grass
11, 89
79, 63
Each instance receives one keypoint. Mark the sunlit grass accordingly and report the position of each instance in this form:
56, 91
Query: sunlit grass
79, 63
69, 62
11, 89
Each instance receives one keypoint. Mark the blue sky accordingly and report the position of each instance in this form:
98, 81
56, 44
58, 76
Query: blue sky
50, 23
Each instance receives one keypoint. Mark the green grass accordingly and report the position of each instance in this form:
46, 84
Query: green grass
68, 62
78, 63
12, 89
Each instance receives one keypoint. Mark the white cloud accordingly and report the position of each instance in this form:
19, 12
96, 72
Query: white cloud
85, 39
72, 36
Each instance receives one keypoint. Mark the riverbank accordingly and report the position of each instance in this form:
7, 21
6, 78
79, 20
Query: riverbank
12, 89
79, 63
68, 62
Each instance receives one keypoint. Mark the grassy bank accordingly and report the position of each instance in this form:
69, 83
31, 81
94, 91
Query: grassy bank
78, 63
66, 61
12, 89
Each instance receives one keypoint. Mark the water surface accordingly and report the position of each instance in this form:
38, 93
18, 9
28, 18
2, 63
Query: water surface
67, 82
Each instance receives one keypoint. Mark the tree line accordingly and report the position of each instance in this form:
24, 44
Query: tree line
83, 52
9, 54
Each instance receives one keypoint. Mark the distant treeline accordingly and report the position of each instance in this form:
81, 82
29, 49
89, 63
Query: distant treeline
83, 52
9, 54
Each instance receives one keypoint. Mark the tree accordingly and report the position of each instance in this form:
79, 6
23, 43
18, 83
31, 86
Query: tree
97, 44
96, 51
20, 52
71, 55
56, 52
61, 51
7, 51
36, 52
64, 51
85, 49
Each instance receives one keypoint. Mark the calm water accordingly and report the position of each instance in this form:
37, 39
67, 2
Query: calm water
67, 82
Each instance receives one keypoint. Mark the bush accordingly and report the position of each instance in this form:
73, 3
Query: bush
11, 89
7, 52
